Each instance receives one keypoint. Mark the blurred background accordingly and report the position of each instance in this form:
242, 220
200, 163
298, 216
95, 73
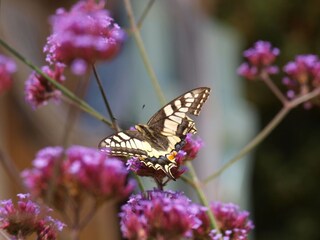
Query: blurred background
191, 44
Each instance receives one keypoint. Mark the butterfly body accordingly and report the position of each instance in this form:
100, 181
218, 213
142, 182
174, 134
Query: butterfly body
157, 142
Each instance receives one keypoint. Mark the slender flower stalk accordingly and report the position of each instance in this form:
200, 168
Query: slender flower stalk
73, 111
144, 14
266, 79
265, 132
202, 196
143, 52
73, 98
115, 125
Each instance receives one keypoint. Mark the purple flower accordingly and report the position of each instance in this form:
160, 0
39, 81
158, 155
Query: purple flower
158, 215
262, 54
232, 222
247, 71
28, 217
37, 178
7, 68
259, 57
191, 147
38, 90
83, 35
303, 76
81, 171
92, 171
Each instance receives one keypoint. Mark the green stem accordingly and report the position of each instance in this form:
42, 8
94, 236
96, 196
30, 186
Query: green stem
265, 132
276, 91
144, 14
143, 53
106, 102
138, 179
188, 181
201, 196
82, 104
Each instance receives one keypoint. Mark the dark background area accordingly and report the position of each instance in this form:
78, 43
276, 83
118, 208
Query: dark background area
286, 175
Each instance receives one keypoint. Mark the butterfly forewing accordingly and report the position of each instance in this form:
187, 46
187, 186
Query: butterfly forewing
172, 119
128, 143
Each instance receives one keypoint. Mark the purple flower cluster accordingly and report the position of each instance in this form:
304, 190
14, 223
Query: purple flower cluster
171, 215
83, 35
82, 171
158, 215
191, 148
7, 68
233, 223
92, 171
28, 217
38, 90
260, 58
303, 75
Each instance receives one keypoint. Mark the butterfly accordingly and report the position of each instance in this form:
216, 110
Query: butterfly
157, 142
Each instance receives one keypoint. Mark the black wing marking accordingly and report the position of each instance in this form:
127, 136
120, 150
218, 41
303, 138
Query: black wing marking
172, 119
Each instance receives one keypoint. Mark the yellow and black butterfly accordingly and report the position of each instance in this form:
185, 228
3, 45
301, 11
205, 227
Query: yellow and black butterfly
157, 142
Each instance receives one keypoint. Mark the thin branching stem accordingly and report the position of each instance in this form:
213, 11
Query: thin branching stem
140, 185
188, 181
265, 132
66, 92
143, 52
276, 91
106, 102
202, 196
144, 14
73, 112
89, 216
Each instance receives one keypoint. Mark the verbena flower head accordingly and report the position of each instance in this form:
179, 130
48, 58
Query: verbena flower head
37, 178
233, 223
260, 58
158, 215
27, 217
7, 68
191, 147
82, 171
38, 90
90, 170
83, 35
303, 76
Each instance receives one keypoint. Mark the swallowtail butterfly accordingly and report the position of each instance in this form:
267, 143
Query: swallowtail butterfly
157, 142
